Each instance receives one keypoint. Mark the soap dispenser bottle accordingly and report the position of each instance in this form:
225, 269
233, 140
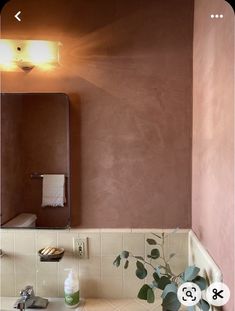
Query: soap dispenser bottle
71, 290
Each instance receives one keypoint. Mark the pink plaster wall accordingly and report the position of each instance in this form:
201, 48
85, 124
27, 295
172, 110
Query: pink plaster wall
213, 134
127, 68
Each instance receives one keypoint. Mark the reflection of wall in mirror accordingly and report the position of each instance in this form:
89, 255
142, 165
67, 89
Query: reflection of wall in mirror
42, 146
11, 159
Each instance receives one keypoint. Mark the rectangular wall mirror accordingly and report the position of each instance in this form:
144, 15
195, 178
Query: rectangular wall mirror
35, 176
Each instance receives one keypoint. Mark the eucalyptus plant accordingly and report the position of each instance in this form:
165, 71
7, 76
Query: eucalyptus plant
163, 277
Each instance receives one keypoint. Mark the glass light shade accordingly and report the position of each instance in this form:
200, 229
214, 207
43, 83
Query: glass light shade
27, 54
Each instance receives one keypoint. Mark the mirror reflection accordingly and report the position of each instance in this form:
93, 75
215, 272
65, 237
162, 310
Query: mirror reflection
35, 160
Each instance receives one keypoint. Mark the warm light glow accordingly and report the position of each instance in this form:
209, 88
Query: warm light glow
6, 55
27, 54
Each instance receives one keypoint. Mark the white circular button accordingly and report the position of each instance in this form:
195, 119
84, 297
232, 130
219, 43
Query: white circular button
218, 294
189, 294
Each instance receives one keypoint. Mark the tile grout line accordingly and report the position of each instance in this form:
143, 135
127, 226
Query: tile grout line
100, 252
0, 268
57, 277
75, 258
36, 246
14, 261
145, 251
122, 267
101, 262
36, 254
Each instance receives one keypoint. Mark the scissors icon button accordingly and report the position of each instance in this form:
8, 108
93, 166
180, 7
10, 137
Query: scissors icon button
218, 294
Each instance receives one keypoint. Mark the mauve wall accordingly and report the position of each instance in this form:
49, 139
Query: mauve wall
127, 68
213, 134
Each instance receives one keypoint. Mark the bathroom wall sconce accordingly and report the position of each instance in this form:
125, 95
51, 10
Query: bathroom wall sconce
27, 54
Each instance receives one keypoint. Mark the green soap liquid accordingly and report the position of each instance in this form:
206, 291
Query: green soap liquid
72, 299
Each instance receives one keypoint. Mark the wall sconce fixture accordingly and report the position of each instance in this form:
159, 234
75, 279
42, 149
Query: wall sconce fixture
27, 54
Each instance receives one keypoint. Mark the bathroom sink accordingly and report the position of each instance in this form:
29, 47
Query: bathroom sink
55, 304
91, 304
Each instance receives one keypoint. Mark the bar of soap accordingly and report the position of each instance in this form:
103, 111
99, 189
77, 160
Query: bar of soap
51, 251
44, 251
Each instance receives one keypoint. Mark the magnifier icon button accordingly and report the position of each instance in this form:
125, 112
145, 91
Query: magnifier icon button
189, 294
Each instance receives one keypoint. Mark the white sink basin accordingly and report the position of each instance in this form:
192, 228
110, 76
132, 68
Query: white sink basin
55, 304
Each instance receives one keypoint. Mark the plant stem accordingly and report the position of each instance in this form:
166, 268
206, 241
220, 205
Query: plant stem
167, 267
148, 263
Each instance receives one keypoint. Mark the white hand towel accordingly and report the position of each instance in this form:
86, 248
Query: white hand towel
53, 190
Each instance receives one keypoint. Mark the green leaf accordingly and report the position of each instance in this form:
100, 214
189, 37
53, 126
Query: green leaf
117, 261
126, 264
143, 292
170, 288
139, 257
171, 302
156, 276
162, 282
141, 274
200, 281
139, 265
155, 253
125, 254
203, 305
151, 242
190, 273
150, 295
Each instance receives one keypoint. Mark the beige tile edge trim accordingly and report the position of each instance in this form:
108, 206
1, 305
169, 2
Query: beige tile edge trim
104, 230
198, 255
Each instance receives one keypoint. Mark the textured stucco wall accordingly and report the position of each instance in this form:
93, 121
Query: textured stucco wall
213, 134
127, 68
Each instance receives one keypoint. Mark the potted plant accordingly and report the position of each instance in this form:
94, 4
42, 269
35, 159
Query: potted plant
163, 277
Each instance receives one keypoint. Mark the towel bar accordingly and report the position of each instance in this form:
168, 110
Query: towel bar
37, 175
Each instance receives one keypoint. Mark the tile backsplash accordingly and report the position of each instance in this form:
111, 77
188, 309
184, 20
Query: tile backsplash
20, 266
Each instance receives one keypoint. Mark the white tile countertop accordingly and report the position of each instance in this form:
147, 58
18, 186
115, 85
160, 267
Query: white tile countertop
57, 304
